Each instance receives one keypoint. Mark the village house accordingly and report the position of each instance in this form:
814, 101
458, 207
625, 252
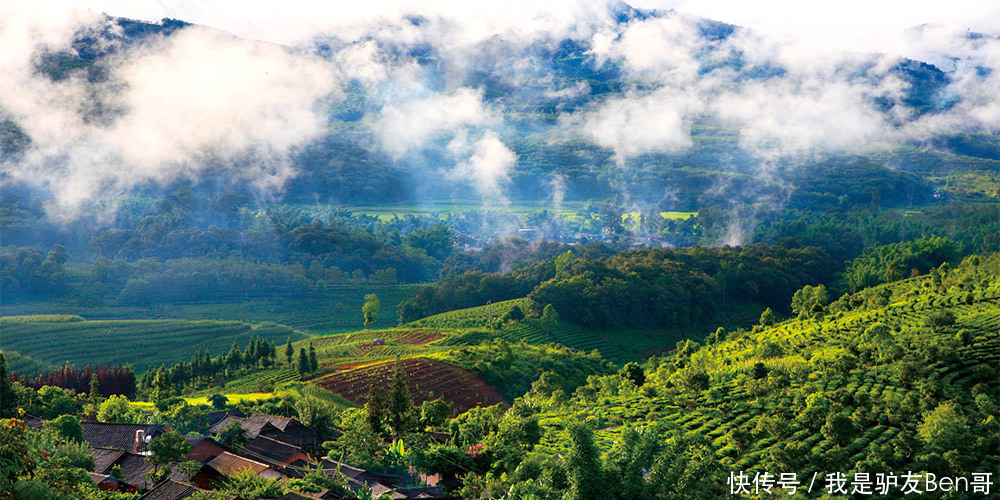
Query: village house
131, 437
284, 429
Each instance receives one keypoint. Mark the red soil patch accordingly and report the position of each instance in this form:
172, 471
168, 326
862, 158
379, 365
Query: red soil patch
417, 337
425, 378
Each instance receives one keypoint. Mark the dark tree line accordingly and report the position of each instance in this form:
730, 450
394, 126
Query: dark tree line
887, 263
638, 288
111, 380
677, 288
204, 369
30, 271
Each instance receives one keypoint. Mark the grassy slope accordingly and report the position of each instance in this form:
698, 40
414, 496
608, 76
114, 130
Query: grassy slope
615, 345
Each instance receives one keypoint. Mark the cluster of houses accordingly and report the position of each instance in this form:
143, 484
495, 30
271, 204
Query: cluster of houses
279, 448
465, 242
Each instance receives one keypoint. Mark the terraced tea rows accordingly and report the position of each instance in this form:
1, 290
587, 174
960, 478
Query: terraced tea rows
534, 331
261, 381
141, 343
402, 336
473, 317
765, 422
426, 379
329, 308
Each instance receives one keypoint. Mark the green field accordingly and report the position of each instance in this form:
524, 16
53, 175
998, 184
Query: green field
337, 309
442, 209
48, 342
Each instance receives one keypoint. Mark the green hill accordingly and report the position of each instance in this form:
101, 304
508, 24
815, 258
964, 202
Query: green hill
618, 345
897, 377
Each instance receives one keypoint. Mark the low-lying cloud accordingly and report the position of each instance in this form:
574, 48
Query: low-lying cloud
636, 124
172, 108
487, 167
410, 125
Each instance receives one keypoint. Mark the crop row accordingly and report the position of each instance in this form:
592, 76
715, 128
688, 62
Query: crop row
142, 343
425, 379
473, 317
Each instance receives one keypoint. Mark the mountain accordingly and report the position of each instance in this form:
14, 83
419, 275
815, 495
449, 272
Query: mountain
726, 117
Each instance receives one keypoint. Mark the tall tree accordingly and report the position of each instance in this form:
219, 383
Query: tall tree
8, 402
233, 435
234, 359
399, 408
66, 426
810, 300
302, 363
374, 409
289, 350
583, 465
167, 448
767, 318
94, 397
313, 363
370, 310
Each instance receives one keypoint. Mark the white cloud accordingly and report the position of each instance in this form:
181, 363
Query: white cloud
203, 97
661, 46
855, 25
295, 21
636, 124
406, 126
789, 118
487, 167
178, 106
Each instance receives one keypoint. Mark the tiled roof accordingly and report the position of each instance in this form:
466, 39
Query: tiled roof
408, 493
203, 448
33, 421
170, 490
103, 479
294, 496
253, 428
175, 490
346, 470
104, 458
117, 436
228, 463
196, 440
216, 416
271, 451
284, 429
280, 422
422, 492
134, 468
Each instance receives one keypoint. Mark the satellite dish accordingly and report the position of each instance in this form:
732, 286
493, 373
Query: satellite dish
149, 438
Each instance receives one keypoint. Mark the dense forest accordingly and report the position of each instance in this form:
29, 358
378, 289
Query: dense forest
639, 288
